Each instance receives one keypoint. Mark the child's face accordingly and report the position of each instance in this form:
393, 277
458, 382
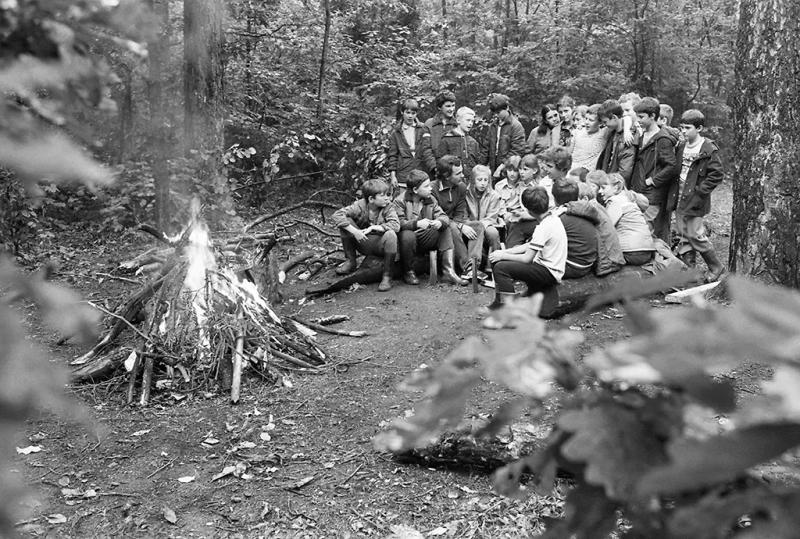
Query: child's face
448, 108
380, 200
612, 123
591, 117
645, 120
578, 120
512, 174
565, 113
607, 191
409, 117
553, 118
690, 132
527, 174
465, 122
481, 182
423, 190
627, 108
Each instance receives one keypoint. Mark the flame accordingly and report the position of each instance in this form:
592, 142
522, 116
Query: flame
201, 261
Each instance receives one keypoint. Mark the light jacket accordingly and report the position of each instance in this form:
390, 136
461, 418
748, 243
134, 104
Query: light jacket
402, 159
656, 160
704, 175
629, 221
357, 214
487, 209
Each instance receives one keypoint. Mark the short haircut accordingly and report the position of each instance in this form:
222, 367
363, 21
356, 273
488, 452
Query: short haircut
559, 156
597, 177
693, 117
649, 106
481, 170
564, 191
587, 190
513, 162
445, 165
529, 160
463, 111
666, 112
416, 178
615, 180
371, 188
610, 108
594, 109
566, 101
498, 102
579, 172
630, 97
535, 199
408, 104
582, 110
443, 97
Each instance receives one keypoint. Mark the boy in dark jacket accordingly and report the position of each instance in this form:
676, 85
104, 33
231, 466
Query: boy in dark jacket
617, 156
409, 145
505, 135
450, 192
701, 171
443, 121
458, 142
581, 232
369, 226
655, 169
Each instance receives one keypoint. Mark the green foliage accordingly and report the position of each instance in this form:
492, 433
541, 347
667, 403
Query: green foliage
19, 221
636, 429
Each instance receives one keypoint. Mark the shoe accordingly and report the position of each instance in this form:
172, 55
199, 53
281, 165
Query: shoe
715, 267
386, 283
410, 277
448, 271
349, 266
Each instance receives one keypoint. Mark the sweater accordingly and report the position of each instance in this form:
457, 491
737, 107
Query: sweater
357, 214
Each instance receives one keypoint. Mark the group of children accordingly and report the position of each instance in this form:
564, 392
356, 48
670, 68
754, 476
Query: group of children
592, 188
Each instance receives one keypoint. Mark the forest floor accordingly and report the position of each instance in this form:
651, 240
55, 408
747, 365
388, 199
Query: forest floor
318, 475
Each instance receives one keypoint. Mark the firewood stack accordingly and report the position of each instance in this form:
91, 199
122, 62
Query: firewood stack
204, 316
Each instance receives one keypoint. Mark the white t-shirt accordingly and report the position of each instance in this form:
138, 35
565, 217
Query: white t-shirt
547, 183
588, 147
690, 154
549, 240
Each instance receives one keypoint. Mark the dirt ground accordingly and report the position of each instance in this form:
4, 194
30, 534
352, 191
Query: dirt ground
317, 475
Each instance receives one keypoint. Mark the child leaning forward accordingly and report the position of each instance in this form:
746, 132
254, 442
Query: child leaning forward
484, 206
369, 226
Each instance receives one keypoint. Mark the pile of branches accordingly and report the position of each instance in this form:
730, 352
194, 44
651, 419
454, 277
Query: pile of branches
204, 316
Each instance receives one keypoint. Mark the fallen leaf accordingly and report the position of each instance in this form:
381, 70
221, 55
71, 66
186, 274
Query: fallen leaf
227, 470
265, 436
64, 481
328, 465
441, 530
401, 531
141, 432
243, 445
169, 515
303, 482
186, 479
56, 518
130, 361
71, 492
210, 441
28, 450
91, 493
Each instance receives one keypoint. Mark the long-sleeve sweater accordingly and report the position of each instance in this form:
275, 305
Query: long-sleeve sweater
357, 214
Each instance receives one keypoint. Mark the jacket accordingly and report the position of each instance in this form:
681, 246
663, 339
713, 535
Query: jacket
511, 141
357, 214
402, 159
656, 160
628, 219
537, 142
411, 209
609, 252
437, 126
452, 199
704, 175
619, 157
487, 209
462, 146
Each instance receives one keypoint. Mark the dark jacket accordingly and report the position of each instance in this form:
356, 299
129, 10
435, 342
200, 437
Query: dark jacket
402, 160
656, 160
464, 147
619, 157
452, 199
511, 141
705, 173
437, 126
609, 252
410, 210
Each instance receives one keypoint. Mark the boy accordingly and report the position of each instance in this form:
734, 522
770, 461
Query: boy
701, 172
555, 162
540, 263
443, 121
581, 231
617, 156
665, 120
457, 141
450, 192
423, 227
655, 168
519, 223
566, 107
484, 206
369, 226
505, 135
409, 145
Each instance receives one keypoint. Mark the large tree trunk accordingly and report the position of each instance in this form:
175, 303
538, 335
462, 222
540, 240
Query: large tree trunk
765, 233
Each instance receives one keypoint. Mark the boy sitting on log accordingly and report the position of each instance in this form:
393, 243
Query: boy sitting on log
369, 226
581, 231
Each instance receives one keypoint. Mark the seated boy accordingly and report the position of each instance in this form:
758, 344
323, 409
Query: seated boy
484, 206
450, 192
581, 231
423, 227
540, 263
369, 226
519, 223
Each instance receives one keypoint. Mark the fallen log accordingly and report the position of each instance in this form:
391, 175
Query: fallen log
369, 272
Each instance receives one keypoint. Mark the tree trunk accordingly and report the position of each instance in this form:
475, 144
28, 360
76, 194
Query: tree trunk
125, 112
157, 59
326, 6
765, 233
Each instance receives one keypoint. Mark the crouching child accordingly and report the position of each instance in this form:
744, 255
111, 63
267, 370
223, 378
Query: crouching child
541, 262
369, 226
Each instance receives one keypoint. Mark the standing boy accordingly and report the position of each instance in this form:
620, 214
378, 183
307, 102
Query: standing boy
617, 156
566, 108
701, 172
443, 121
409, 145
505, 135
458, 142
369, 226
655, 169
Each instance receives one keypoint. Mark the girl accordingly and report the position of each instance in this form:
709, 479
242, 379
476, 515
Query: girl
409, 145
548, 132
485, 206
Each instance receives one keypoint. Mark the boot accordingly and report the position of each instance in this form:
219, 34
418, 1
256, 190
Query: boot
689, 258
715, 267
349, 265
448, 270
386, 280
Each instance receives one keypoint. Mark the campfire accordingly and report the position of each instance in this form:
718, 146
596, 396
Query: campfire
203, 317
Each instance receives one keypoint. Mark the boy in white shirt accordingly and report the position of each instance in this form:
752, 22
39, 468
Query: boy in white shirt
540, 263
